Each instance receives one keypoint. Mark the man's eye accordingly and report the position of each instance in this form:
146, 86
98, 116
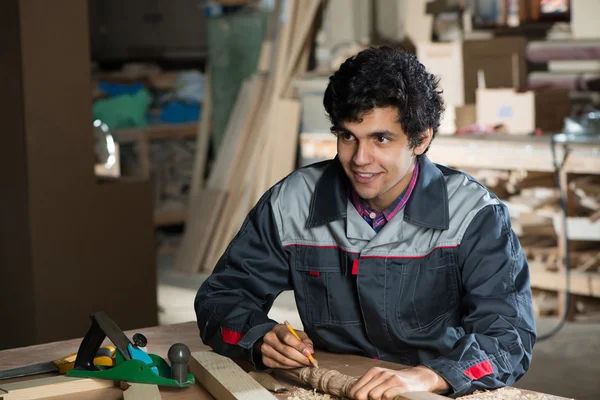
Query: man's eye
346, 136
382, 139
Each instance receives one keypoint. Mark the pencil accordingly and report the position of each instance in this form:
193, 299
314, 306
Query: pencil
310, 357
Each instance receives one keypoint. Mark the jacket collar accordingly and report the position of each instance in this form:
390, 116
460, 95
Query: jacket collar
427, 206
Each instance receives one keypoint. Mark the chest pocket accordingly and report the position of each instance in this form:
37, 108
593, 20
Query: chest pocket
428, 292
329, 291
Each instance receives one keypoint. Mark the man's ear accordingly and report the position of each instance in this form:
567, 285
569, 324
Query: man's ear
426, 137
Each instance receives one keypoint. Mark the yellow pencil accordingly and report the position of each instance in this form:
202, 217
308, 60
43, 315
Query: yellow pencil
310, 357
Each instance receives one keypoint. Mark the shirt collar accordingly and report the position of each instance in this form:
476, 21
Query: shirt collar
365, 210
427, 206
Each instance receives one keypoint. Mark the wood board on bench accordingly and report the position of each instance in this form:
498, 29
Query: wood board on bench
50, 387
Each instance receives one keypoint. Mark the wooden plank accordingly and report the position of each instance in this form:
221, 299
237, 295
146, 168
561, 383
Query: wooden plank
582, 283
53, 386
285, 141
224, 379
260, 148
582, 228
202, 136
266, 53
232, 176
141, 391
204, 212
156, 132
236, 132
170, 217
261, 151
248, 166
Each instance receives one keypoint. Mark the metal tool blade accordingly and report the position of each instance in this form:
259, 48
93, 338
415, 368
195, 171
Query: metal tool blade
36, 369
114, 333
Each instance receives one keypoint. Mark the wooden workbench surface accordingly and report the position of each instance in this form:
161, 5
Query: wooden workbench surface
160, 338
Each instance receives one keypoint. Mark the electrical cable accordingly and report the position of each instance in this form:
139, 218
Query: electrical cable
567, 260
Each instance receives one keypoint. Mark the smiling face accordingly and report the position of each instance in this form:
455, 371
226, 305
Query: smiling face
376, 155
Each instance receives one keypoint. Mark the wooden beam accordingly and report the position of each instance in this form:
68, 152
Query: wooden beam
141, 391
582, 283
224, 379
582, 228
202, 136
203, 211
49, 387
156, 132
287, 126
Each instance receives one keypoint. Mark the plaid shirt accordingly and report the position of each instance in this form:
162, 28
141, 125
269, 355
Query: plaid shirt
376, 219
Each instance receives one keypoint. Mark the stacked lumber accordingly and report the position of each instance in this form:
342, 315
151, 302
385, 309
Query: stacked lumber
587, 191
533, 211
495, 180
260, 141
521, 179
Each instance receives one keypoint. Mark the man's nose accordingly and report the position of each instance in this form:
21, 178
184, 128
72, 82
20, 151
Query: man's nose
362, 156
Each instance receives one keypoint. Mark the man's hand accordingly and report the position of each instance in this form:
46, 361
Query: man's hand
385, 384
280, 349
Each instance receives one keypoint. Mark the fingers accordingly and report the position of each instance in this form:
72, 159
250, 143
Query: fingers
304, 345
373, 378
378, 384
281, 349
304, 337
274, 359
365, 379
392, 393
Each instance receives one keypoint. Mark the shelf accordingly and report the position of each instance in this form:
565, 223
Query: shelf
483, 151
513, 152
156, 132
169, 217
582, 283
581, 228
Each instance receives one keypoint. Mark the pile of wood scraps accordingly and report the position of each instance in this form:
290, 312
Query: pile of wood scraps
533, 211
260, 141
587, 191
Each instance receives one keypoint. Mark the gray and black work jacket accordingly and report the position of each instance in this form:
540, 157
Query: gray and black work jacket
444, 284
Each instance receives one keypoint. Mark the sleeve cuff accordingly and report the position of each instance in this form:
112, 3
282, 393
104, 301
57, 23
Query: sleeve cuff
459, 382
250, 338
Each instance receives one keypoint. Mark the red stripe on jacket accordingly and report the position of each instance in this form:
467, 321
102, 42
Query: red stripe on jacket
231, 337
480, 370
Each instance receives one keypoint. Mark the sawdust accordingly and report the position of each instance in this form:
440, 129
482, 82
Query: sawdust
507, 394
498, 394
303, 394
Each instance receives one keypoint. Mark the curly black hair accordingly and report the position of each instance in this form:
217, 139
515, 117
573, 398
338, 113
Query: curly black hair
384, 77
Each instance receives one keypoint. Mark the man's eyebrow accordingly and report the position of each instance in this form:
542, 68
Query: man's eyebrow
382, 133
385, 132
341, 129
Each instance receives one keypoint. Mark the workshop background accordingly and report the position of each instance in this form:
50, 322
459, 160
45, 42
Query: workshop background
138, 134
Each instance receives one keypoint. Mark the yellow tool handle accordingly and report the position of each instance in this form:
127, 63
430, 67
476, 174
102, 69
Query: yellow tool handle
67, 363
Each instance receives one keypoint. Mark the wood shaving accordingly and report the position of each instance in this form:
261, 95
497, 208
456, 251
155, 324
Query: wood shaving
303, 394
507, 394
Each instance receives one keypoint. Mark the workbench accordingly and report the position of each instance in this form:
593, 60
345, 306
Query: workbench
160, 338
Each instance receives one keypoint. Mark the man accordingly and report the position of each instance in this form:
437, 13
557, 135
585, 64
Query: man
389, 255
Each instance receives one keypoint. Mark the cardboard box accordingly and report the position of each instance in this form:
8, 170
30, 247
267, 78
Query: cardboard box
502, 61
522, 113
445, 60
